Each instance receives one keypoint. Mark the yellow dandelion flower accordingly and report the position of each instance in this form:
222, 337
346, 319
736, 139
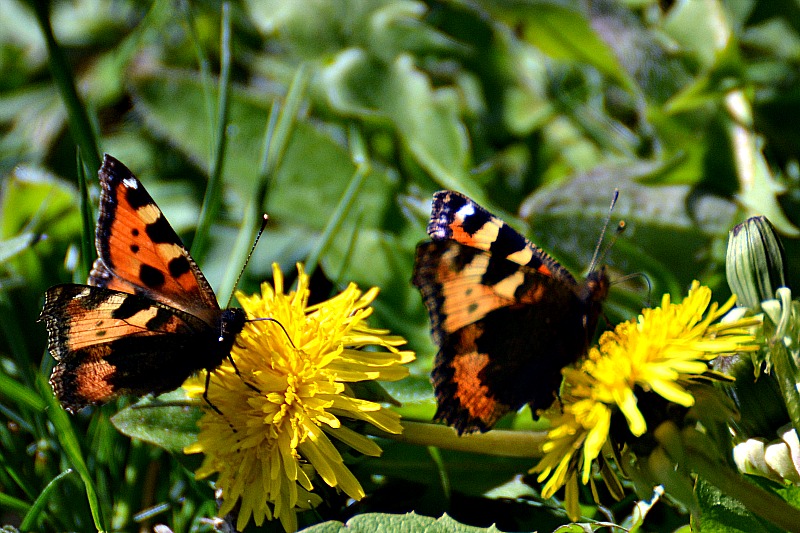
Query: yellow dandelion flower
274, 436
662, 351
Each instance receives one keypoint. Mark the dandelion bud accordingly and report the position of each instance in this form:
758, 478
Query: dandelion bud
755, 262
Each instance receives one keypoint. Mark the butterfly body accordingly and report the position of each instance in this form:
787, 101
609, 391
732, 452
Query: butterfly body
506, 316
148, 318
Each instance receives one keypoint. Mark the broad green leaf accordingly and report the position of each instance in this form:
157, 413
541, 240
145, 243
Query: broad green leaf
184, 122
427, 119
154, 420
386, 28
721, 513
15, 245
35, 200
562, 33
760, 189
776, 37
701, 28
382, 522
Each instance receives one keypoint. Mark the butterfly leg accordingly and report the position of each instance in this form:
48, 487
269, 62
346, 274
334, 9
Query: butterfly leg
236, 370
205, 394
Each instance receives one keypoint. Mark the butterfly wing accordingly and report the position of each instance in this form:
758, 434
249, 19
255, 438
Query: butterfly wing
148, 318
506, 316
139, 252
501, 345
108, 343
457, 217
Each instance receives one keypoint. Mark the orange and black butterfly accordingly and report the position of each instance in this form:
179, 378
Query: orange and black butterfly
147, 319
506, 316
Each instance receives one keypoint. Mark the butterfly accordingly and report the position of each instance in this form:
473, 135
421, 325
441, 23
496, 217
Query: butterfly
506, 316
147, 319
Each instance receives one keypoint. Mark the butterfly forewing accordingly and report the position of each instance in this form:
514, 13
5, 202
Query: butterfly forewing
456, 217
138, 251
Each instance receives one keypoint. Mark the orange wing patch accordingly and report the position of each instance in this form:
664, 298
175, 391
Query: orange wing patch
465, 298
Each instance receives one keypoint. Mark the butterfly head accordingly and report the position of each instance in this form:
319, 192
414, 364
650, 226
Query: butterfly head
231, 322
595, 288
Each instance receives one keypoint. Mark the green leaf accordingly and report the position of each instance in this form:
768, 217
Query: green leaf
721, 513
372, 522
665, 231
35, 200
562, 33
160, 421
427, 119
701, 28
15, 245
184, 122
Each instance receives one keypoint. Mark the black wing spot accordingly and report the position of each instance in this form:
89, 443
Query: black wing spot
151, 277
179, 266
134, 248
135, 232
137, 197
157, 322
161, 232
129, 307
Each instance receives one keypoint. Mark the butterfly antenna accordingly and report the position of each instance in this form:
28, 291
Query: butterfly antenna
646, 279
276, 322
597, 255
249, 255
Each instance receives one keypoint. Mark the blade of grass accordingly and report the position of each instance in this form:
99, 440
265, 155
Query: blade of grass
16, 475
38, 505
79, 124
213, 197
87, 220
72, 448
286, 119
14, 330
345, 202
251, 217
20, 394
280, 124
11, 503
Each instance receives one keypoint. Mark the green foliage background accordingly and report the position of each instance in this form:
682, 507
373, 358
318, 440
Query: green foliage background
538, 110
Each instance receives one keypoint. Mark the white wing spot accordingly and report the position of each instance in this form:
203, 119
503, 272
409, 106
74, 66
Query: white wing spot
466, 211
131, 183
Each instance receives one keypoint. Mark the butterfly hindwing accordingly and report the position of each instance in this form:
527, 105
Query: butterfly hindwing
148, 318
110, 343
505, 315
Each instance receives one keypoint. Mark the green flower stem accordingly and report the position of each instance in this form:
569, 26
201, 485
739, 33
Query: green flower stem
213, 197
498, 442
755, 499
280, 124
278, 138
79, 124
786, 373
